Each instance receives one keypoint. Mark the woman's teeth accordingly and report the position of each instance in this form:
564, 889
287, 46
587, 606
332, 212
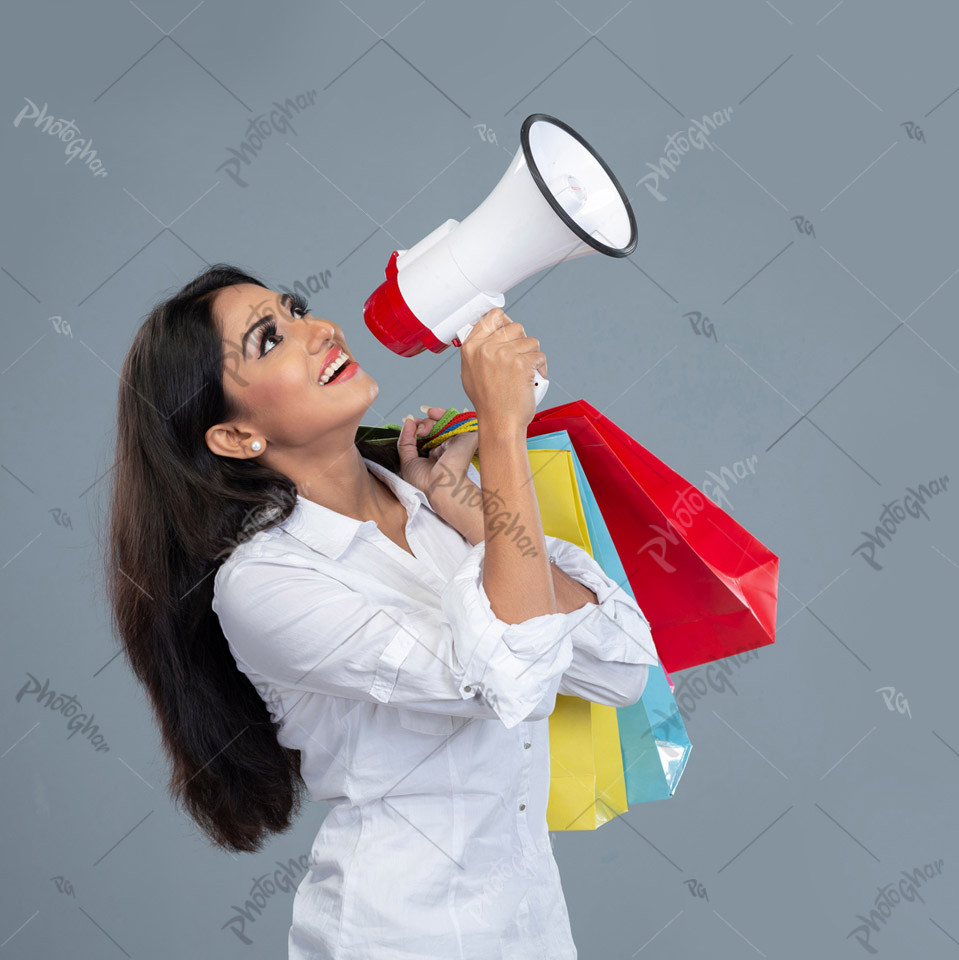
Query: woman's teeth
335, 366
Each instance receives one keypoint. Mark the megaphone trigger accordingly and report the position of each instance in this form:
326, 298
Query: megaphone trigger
540, 386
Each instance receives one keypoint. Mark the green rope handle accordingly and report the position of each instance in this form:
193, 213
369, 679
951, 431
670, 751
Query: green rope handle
390, 432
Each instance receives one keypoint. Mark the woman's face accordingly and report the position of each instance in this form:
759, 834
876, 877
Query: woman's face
275, 352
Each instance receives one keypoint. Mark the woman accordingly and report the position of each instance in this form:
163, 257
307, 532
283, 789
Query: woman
308, 611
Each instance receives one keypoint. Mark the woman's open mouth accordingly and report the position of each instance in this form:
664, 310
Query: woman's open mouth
342, 368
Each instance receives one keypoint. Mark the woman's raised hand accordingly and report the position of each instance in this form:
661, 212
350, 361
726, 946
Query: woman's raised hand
498, 365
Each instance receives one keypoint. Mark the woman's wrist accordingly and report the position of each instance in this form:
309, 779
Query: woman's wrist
570, 593
466, 520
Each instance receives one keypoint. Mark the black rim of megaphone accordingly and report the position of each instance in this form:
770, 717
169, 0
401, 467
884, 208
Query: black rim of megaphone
551, 200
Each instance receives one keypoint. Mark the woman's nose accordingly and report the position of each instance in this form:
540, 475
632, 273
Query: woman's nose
321, 332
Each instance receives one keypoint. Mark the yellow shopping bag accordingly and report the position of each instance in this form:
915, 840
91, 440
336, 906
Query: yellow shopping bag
586, 786
586, 783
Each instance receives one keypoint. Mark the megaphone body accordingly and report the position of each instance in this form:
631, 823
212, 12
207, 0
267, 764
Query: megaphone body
556, 201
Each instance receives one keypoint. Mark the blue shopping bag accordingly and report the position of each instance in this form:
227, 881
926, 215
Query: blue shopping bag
653, 738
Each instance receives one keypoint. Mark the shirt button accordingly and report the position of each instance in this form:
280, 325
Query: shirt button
467, 689
522, 806
527, 745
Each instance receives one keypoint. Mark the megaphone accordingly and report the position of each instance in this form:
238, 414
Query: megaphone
558, 200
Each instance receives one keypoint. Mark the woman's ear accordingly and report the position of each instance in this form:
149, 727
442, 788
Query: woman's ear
227, 440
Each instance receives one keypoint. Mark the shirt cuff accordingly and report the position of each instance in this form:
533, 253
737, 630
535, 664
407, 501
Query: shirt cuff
513, 666
614, 628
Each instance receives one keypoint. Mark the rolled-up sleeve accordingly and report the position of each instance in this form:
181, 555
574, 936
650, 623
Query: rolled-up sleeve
300, 629
613, 646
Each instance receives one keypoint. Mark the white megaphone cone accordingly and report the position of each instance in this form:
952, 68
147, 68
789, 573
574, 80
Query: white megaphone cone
557, 201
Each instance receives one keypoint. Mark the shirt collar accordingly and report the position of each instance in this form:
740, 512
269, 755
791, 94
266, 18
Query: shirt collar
329, 532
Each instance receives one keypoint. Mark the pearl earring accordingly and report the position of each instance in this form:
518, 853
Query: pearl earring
256, 444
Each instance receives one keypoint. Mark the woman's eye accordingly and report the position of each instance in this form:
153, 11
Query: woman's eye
269, 333
301, 305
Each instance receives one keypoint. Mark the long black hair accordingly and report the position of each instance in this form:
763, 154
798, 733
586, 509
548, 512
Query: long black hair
177, 510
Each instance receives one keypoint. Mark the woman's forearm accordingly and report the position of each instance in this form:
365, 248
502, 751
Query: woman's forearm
570, 594
516, 567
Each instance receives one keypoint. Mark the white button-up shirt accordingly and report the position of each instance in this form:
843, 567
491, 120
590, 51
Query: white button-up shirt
422, 720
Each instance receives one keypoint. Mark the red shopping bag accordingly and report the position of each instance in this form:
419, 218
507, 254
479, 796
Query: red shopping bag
707, 586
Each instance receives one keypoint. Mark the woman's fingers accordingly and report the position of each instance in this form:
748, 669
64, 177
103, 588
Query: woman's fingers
434, 412
433, 415
423, 426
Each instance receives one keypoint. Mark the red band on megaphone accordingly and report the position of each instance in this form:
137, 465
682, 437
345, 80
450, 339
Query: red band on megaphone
393, 323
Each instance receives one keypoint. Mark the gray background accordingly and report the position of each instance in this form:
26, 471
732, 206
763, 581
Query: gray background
833, 365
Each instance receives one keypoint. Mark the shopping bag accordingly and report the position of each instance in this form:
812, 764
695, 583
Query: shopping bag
653, 741
707, 583
587, 781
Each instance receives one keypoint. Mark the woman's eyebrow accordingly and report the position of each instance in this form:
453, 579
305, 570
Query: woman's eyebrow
284, 301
